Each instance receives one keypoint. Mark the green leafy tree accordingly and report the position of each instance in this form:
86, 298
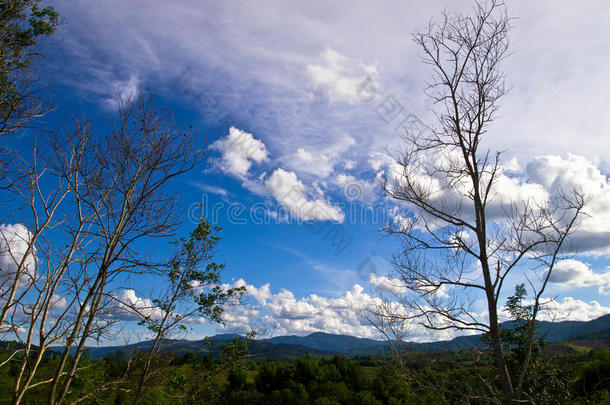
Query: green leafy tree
193, 279
22, 24
593, 380
539, 378
516, 338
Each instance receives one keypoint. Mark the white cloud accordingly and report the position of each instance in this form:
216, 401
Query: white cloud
8, 327
378, 160
261, 294
572, 309
553, 171
289, 191
130, 307
544, 179
514, 189
341, 77
320, 162
58, 302
428, 177
238, 150
355, 189
392, 285
604, 289
402, 222
286, 314
567, 172
349, 164
123, 90
14, 242
574, 273
211, 189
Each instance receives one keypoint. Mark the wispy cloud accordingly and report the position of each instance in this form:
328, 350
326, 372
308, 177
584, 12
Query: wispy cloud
340, 78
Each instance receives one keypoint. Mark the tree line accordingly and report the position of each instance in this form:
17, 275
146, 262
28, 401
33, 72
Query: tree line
451, 377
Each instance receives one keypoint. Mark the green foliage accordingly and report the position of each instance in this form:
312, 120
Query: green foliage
436, 377
22, 24
516, 338
544, 382
193, 279
188, 275
593, 381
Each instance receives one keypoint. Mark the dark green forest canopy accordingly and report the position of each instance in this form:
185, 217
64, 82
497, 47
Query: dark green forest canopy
569, 376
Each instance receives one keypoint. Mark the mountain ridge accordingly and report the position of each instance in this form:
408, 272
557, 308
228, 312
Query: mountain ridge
322, 343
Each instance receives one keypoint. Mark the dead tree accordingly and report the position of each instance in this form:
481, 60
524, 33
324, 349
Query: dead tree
465, 236
84, 205
123, 187
37, 303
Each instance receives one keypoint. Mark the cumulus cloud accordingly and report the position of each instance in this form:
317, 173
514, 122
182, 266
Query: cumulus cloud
130, 307
283, 313
569, 308
545, 178
428, 174
286, 314
58, 302
318, 164
604, 289
557, 173
289, 191
572, 171
574, 273
392, 285
341, 78
238, 150
14, 242
400, 219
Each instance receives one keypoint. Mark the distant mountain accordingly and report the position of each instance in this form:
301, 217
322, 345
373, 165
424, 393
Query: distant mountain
602, 336
258, 348
266, 350
594, 330
569, 330
329, 342
595, 333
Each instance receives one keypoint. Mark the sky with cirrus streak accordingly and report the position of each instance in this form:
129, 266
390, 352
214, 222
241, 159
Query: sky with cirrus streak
299, 104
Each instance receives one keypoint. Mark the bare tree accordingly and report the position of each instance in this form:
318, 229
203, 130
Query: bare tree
123, 188
84, 207
34, 294
464, 236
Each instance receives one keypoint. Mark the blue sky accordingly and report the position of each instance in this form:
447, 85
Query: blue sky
296, 131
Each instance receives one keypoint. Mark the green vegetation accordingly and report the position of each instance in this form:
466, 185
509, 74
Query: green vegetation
226, 378
22, 24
